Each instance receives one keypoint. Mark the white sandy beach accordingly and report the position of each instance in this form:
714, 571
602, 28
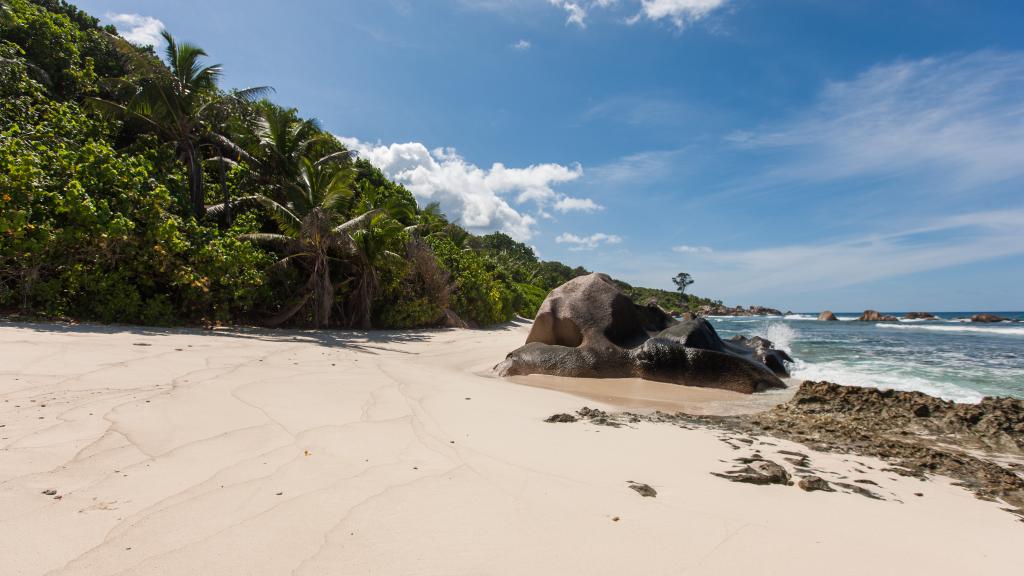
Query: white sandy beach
191, 452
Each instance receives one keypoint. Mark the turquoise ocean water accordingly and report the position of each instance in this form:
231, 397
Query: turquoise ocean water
951, 357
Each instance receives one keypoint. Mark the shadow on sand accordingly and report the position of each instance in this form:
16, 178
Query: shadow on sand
369, 341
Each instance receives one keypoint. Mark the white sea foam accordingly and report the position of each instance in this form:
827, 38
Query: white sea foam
847, 318
1003, 330
780, 333
882, 377
800, 317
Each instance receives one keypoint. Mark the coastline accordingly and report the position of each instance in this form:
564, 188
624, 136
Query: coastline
268, 452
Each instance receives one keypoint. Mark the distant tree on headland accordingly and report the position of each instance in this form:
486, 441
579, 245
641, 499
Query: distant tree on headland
682, 280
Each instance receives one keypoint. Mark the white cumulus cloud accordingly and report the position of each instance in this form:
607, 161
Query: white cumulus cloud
587, 242
522, 45
684, 249
480, 199
568, 204
137, 29
679, 12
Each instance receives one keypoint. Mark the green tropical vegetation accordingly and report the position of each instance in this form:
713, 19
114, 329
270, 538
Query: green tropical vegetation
133, 188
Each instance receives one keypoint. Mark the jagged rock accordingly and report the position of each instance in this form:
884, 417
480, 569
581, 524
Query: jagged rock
560, 418
765, 352
875, 316
919, 316
644, 490
978, 445
890, 425
828, 315
814, 483
988, 318
757, 470
588, 328
859, 490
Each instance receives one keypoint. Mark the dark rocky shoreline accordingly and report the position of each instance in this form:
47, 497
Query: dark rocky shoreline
980, 446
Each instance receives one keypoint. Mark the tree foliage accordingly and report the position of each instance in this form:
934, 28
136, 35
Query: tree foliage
108, 153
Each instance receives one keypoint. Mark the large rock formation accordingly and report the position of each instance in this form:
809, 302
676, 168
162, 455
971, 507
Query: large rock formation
919, 316
875, 316
828, 315
588, 328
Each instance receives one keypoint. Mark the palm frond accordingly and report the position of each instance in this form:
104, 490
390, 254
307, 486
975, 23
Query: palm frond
226, 144
113, 110
274, 241
334, 157
252, 94
357, 222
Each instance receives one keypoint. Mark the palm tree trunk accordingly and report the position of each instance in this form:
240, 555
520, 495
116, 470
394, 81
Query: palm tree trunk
323, 293
224, 191
195, 179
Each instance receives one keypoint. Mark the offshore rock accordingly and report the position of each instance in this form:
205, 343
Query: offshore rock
875, 316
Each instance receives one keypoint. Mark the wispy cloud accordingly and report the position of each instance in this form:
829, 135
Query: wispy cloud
480, 199
957, 122
641, 110
646, 166
591, 242
576, 13
522, 45
684, 249
137, 29
831, 264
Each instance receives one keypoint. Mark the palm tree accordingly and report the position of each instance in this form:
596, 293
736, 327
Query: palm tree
179, 102
283, 140
313, 233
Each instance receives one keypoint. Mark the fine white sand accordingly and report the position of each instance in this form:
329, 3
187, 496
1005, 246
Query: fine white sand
191, 452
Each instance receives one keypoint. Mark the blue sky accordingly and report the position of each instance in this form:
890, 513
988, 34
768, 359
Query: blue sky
804, 154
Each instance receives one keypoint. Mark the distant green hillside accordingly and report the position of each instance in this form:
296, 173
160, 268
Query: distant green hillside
666, 299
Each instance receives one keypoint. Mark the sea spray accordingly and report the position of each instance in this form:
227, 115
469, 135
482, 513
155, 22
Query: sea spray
780, 333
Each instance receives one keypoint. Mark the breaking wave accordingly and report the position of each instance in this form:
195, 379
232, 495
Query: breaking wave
1001, 330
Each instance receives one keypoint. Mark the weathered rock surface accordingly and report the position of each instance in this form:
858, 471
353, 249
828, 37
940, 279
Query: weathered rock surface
765, 352
919, 316
978, 445
875, 316
918, 433
642, 489
588, 328
814, 483
828, 315
756, 470
988, 318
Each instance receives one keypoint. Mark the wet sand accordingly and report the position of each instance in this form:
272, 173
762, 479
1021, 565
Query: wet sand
644, 396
